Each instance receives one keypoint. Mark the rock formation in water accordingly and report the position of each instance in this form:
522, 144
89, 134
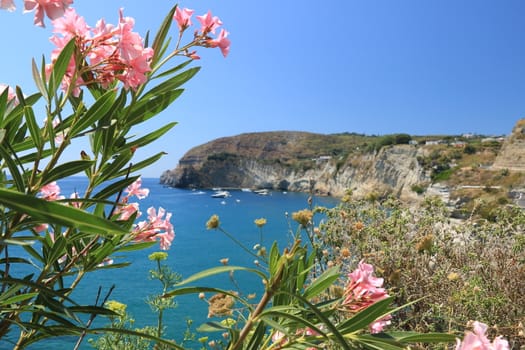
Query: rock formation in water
299, 161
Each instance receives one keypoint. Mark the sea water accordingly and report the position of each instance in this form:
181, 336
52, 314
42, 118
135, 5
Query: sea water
194, 249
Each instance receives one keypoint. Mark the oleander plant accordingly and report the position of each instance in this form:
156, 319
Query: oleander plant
101, 84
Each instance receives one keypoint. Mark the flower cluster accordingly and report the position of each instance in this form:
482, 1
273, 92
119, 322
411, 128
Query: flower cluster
51, 8
157, 227
105, 53
364, 289
477, 339
209, 25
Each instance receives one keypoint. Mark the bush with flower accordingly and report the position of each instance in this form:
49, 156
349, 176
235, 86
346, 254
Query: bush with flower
100, 83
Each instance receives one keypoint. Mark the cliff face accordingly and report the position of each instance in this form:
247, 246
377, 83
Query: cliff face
512, 154
249, 161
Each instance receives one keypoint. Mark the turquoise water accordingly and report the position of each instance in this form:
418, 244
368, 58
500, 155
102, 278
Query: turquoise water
193, 250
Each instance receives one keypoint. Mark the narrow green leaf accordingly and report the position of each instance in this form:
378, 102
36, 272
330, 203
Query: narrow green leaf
365, 317
57, 250
39, 82
60, 67
18, 298
3, 104
172, 83
115, 187
322, 282
148, 108
218, 270
425, 338
160, 37
56, 213
143, 141
66, 169
31, 157
173, 70
13, 169
111, 170
140, 165
96, 112
2, 135
135, 246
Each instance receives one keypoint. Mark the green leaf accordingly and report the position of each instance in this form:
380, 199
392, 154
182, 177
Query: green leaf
172, 83
160, 37
322, 282
39, 82
365, 317
115, 187
57, 250
66, 169
218, 270
19, 180
143, 141
111, 170
148, 108
18, 298
96, 112
173, 70
56, 213
135, 246
60, 67
140, 165
424, 337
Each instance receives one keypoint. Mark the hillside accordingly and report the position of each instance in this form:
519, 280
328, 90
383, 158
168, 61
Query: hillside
459, 168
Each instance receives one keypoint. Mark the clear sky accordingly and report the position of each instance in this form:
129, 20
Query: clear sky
369, 66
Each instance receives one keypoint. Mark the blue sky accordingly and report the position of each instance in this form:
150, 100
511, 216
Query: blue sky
372, 67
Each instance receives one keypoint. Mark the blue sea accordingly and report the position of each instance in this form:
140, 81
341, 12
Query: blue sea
195, 248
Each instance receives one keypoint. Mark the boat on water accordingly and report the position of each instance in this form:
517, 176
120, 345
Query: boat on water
221, 194
263, 192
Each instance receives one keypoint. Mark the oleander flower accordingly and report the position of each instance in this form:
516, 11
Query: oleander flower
209, 23
364, 289
53, 9
108, 52
135, 189
50, 192
8, 5
477, 340
222, 42
183, 17
157, 227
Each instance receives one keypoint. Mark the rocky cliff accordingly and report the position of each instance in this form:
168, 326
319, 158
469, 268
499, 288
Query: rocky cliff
512, 154
296, 161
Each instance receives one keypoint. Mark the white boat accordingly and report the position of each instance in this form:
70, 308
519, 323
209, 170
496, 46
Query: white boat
262, 192
221, 194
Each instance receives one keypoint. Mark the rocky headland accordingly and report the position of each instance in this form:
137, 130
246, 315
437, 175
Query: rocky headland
405, 166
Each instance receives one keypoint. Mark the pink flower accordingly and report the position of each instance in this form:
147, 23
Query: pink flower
222, 42
157, 227
183, 17
126, 211
109, 52
364, 289
477, 340
50, 192
51, 8
209, 23
8, 5
135, 190
40, 228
